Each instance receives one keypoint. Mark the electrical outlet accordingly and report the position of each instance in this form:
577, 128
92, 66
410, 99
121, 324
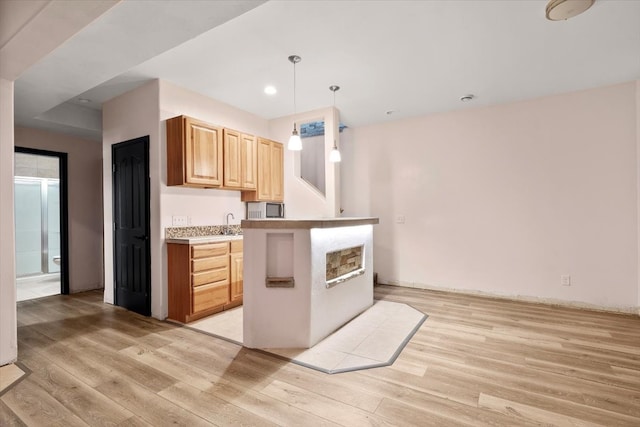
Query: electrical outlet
565, 280
400, 219
179, 220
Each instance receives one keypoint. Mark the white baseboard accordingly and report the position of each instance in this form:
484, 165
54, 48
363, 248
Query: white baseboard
549, 301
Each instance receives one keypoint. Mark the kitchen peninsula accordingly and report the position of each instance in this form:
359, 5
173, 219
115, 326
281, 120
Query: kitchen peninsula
306, 279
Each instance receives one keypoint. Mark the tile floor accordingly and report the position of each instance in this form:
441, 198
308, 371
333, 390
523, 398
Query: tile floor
226, 325
9, 375
374, 338
37, 286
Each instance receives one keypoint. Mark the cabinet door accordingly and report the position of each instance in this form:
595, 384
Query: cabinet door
232, 159
203, 154
264, 169
208, 297
236, 277
277, 172
249, 162
179, 286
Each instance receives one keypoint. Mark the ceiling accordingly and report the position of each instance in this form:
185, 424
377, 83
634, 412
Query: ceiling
409, 58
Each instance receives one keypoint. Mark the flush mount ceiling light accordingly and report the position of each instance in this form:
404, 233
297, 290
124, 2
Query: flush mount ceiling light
559, 10
334, 156
295, 143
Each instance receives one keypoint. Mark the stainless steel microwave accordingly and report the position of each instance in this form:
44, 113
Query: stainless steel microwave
262, 210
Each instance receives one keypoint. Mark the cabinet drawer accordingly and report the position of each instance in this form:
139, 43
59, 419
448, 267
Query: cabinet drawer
220, 275
210, 296
236, 246
203, 264
209, 250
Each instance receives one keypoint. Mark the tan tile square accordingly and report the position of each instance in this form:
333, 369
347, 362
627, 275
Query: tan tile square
8, 375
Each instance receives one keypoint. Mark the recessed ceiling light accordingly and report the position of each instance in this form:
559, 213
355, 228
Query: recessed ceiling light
270, 90
390, 112
467, 98
84, 100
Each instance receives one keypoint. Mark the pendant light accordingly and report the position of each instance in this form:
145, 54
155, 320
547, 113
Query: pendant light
295, 143
334, 156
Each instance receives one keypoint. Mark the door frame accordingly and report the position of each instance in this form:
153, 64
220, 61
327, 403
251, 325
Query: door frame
64, 211
145, 141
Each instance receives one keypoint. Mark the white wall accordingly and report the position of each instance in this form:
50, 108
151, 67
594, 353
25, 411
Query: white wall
312, 165
27, 44
638, 179
208, 206
141, 112
84, 181
128, 116
301, 199
203, 206
8, 314
504, 200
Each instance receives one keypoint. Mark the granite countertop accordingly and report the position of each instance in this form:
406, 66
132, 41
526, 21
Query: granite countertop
307, 223
204, 239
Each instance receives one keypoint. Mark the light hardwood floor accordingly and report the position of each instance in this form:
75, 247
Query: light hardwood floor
475, 361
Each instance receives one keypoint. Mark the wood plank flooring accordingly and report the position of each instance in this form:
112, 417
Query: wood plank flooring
476, 361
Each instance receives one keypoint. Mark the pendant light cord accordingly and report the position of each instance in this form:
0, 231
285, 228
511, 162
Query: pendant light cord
335, 144
295, 144
294, 88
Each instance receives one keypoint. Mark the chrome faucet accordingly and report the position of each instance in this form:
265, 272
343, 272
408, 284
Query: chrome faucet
227, 230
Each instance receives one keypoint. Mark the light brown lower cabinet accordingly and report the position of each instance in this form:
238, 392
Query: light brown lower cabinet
204, 279
235, 268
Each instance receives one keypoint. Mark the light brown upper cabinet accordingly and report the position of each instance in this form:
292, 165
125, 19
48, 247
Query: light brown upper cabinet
270, 185
232, 159
194, 153
240, 163
249, 161
277, 171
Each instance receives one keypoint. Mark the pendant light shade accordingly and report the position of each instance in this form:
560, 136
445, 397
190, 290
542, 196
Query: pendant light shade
334, 156
295, 143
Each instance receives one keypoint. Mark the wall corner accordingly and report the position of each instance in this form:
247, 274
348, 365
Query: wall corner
8, 311
638, 189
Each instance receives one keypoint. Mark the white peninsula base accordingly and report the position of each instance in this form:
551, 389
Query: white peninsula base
288, 301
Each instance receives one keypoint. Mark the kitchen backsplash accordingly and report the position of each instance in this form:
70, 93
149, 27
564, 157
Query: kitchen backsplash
198, 231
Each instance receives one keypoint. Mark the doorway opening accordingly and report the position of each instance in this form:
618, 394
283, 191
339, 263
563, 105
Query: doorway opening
40, 188
312, 162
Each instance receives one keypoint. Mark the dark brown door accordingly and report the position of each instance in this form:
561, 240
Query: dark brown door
131, 245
